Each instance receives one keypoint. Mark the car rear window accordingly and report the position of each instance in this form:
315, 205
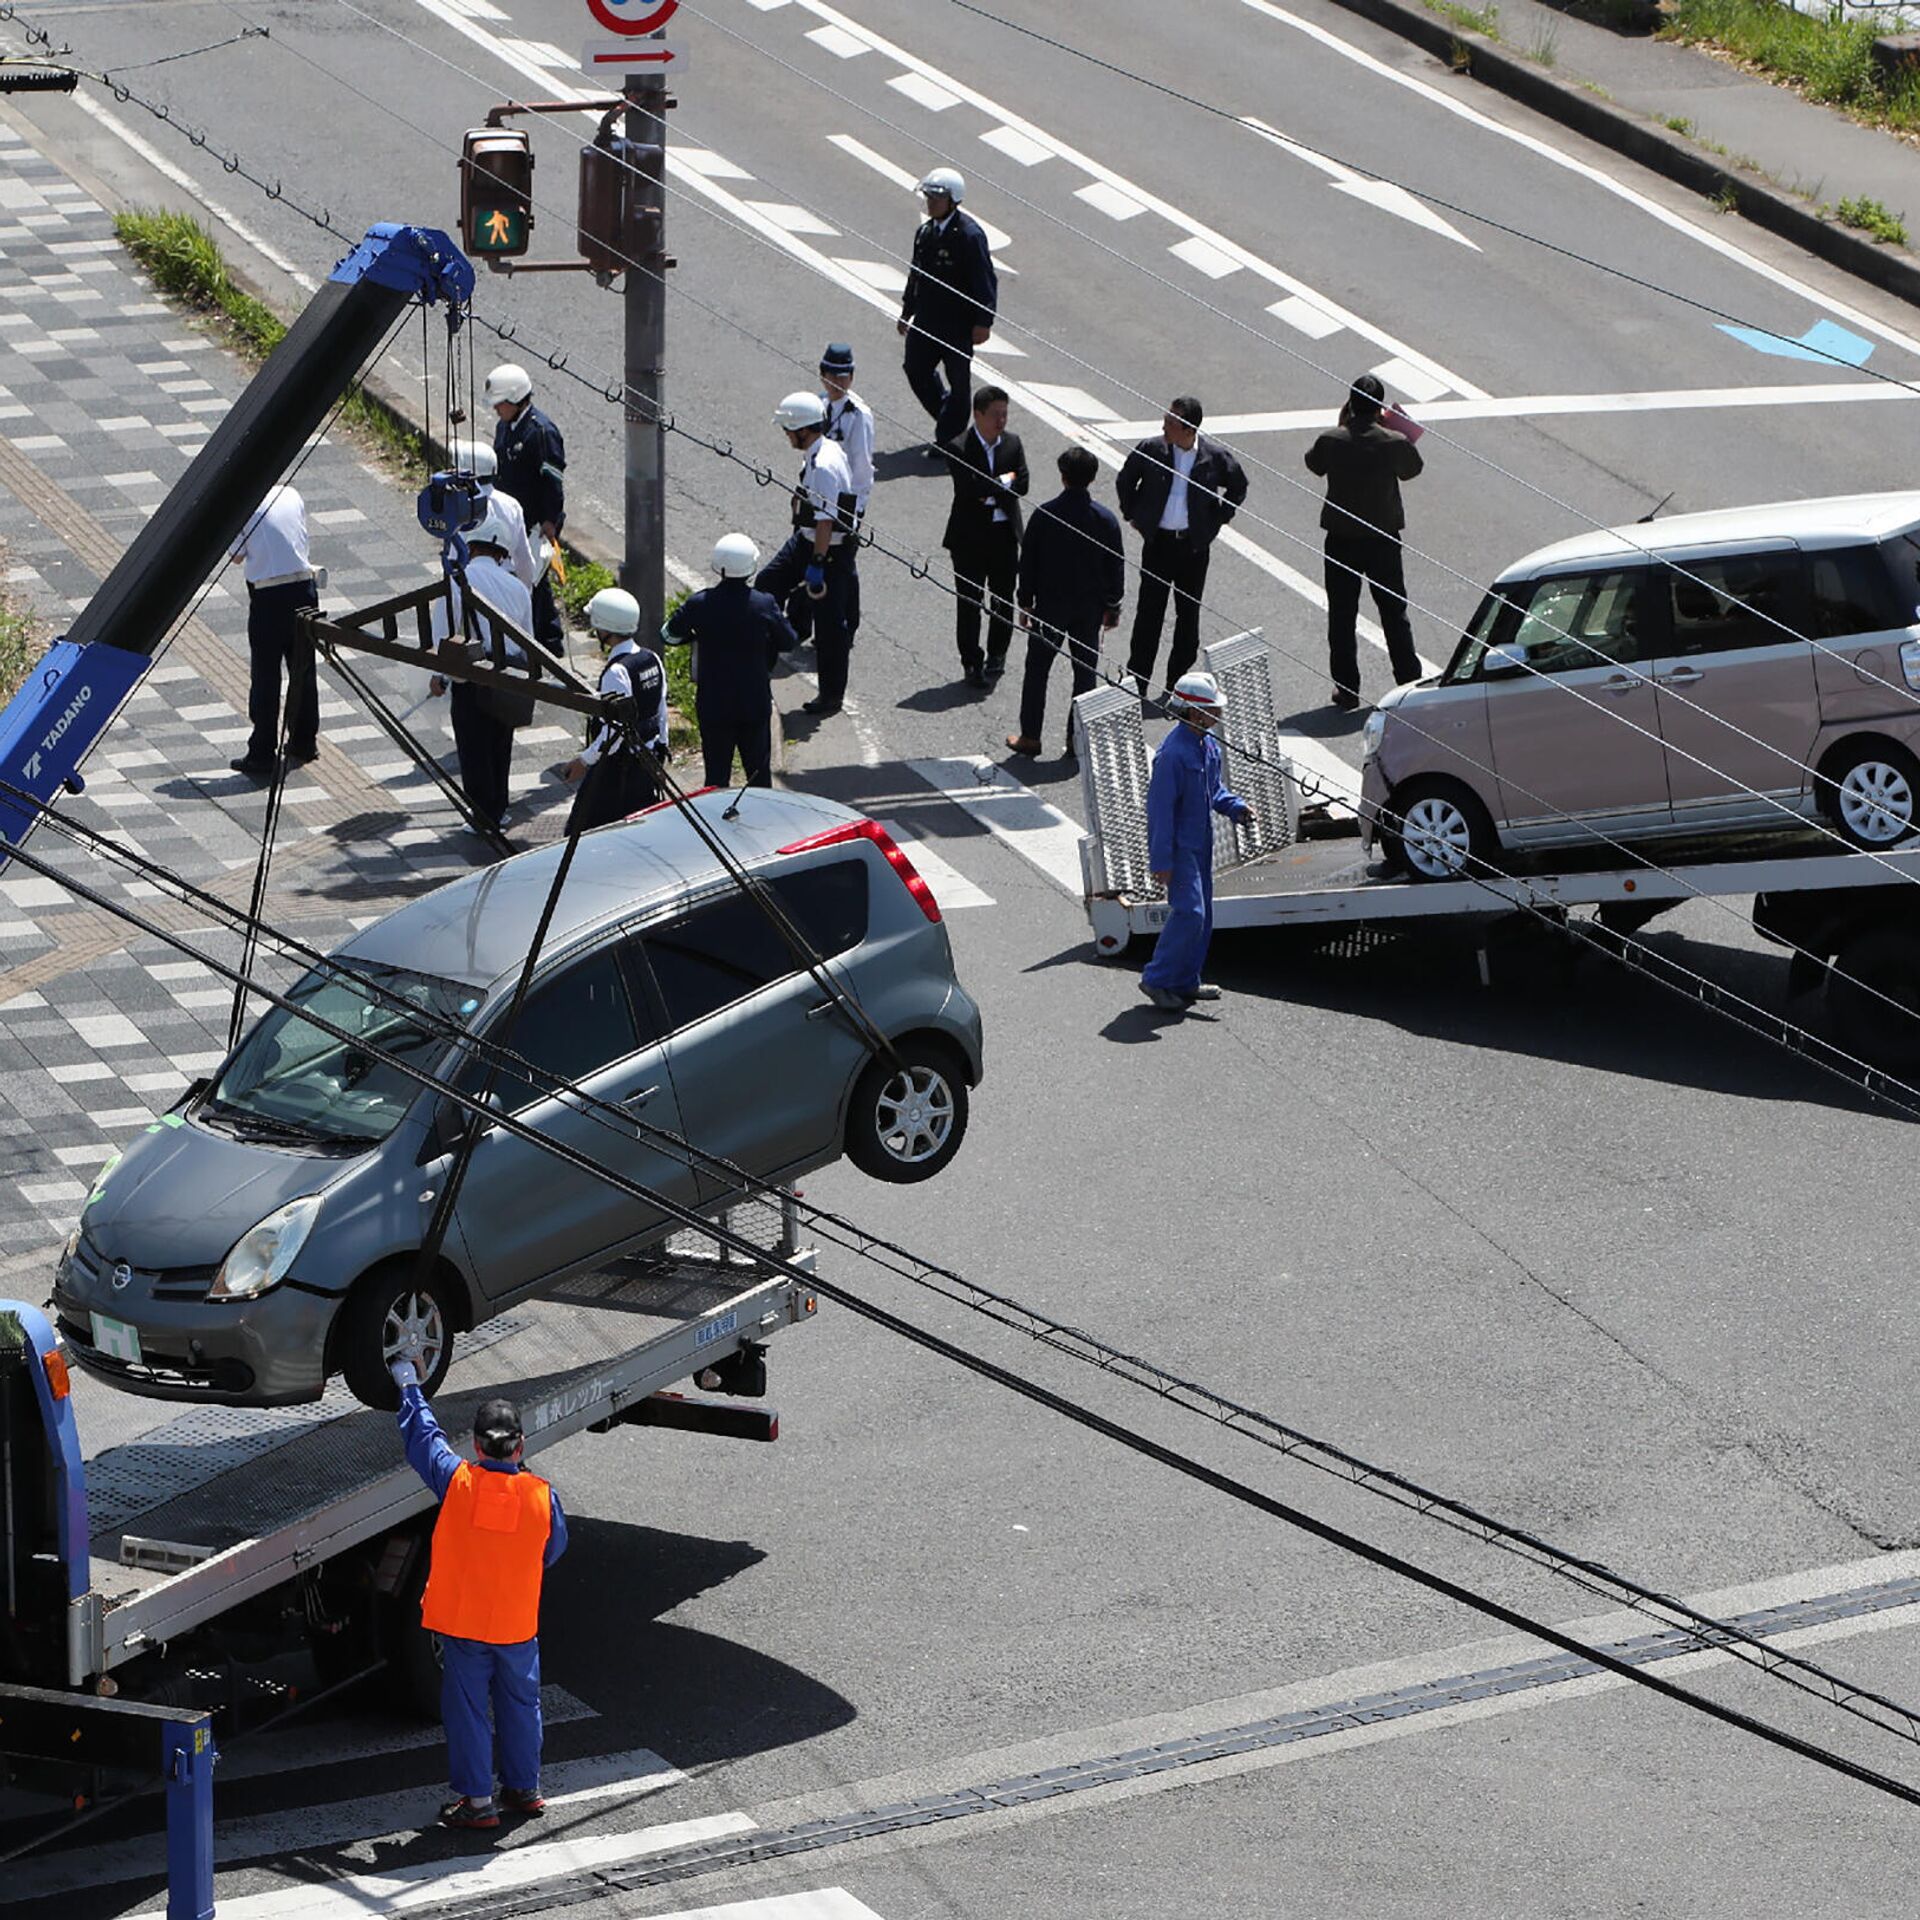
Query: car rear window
1853, 593
1737, 600
721, 952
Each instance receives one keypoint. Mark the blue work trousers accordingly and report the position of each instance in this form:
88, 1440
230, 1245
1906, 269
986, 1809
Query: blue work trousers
474, 1673
1181, 951
832, 616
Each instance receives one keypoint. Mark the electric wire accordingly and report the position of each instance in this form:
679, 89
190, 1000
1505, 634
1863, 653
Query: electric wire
1855, 1071
1026, 1388
1073, 1342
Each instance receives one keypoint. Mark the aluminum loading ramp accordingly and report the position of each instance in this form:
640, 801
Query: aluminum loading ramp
196, 1509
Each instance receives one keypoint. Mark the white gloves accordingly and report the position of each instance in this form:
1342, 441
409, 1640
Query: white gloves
405, 1374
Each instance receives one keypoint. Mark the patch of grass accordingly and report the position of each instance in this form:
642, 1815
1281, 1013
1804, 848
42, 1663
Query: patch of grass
183, 260
1482, 20
1677, 123
1545, 50
19, 647
1596, 89
1727, 200
1871, 217
1830, 59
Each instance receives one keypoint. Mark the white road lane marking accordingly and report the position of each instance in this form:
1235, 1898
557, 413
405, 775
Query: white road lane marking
1677, 222
439, 1883
828, 1903
1302, 315
1075, 401
1327, 779
1409, 380
794, 219
945, 83
879, 162
1015, 815
1204, 257
951, 888
300, 1831
1018, 146
1109, 200
1541, 405
838, 42
708, 187
882, 275
928, 93
701, 160
1376, 193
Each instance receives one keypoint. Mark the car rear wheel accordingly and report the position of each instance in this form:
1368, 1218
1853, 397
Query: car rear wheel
1437, 830
909, 1113
1872, 794
392, 1314
1873, 997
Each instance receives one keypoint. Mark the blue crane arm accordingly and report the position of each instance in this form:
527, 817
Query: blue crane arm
74, 691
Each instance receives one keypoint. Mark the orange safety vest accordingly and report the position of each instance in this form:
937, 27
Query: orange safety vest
489, 1545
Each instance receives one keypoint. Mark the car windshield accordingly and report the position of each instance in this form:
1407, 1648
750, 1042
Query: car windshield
1488, 620
295, 1080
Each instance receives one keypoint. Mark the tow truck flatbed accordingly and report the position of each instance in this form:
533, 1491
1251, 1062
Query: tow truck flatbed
196, 1513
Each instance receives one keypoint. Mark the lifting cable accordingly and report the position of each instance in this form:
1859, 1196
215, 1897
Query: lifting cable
1076, 1344
1084, 1416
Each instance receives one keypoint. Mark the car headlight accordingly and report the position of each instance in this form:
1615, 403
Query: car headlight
262, 1255
1371, 732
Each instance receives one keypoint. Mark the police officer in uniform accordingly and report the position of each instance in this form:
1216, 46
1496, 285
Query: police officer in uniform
739, 633
532, 466
850, 423
499, 1529
613, 779
820, 552
948, 307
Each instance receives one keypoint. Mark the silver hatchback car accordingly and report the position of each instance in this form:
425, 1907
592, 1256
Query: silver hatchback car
264, 1235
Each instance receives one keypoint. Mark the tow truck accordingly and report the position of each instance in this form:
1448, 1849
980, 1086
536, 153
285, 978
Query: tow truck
171, 1585
1851, 921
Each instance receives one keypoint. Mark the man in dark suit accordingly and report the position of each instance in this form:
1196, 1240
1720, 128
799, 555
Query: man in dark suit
1073, 576
947, 309
1363, 463
989, 470
1176, 492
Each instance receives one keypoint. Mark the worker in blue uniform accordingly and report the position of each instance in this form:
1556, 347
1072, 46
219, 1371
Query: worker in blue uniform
531, 465
499, 1529
1183, 795
737, 633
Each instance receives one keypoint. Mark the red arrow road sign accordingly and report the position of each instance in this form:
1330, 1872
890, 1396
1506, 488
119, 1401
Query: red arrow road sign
633, 16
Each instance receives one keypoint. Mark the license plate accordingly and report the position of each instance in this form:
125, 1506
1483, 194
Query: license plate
116, 1340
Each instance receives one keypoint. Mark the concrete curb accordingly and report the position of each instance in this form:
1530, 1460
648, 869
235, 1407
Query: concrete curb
1649, 144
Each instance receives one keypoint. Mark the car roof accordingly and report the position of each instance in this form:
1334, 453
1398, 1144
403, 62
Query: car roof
477, 929
1837, 521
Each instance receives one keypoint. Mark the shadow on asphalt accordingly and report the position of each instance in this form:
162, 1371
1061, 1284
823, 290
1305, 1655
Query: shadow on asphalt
1325, 722
1547, 999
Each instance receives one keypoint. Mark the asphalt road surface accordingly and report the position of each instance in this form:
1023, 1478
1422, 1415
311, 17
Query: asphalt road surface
1562, 1246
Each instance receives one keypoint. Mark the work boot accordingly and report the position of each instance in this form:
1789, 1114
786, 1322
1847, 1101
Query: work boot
1161, 998
1344, 698
531, 1803
1206, 990
470, 1815
253, 769
976, 677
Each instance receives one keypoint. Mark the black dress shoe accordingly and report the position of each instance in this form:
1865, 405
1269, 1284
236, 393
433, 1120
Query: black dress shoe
1344, 699
821, 709
977, 677
995, 668
253, 769
302, 756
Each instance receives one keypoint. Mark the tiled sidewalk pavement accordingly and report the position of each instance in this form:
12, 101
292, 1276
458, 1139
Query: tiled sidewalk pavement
105, 394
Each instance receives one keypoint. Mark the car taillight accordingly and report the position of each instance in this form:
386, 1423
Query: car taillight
898, 861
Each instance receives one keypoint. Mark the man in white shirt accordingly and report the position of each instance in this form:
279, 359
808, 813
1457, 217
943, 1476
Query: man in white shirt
988, 466
820, 552
484, 717
613, 779
273, 549
850, 427
479, 459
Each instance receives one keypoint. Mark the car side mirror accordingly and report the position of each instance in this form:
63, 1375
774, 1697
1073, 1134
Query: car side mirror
1502, 663
450, 1123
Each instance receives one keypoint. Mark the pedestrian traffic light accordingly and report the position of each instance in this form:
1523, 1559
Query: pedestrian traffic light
621, 224
496, 192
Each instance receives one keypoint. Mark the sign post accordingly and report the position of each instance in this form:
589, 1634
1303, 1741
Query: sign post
641, 56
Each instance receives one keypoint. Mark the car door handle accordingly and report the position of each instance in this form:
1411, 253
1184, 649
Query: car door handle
1621, 683
1680, 677
823, 1009
641, 1098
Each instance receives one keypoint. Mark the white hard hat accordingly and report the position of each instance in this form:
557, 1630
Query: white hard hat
735, 556
508, 382
1197, 690
799, 410
613, 610
945, 180
475, 456
490, 530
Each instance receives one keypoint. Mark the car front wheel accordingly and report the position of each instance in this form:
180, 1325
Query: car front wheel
392, 1314
1437, 830
1872, 794
909, 1113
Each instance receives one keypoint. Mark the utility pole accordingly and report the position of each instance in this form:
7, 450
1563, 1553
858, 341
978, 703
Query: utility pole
643, 571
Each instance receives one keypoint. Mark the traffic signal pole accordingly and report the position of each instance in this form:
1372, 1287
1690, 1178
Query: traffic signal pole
644, 570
